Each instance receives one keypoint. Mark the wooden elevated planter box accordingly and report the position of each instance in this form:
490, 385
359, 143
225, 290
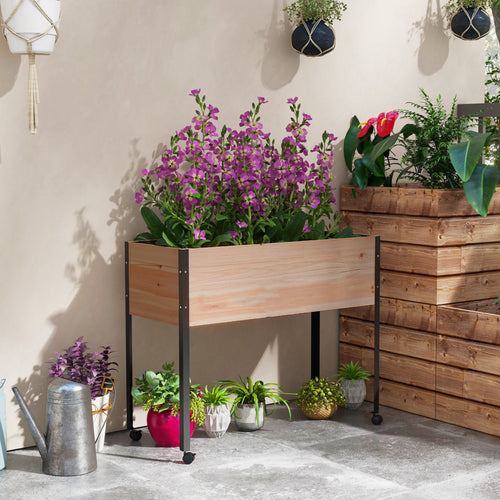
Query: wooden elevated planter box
435, 252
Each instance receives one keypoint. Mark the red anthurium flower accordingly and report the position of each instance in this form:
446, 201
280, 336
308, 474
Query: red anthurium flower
385, 123
365, 127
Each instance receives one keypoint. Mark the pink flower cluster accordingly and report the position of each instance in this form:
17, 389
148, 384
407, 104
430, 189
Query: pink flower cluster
239, 186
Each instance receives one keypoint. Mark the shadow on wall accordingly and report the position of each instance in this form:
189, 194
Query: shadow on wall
10, 68
280, 63
434, 42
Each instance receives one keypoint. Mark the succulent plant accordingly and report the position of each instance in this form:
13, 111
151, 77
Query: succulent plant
320, 393
352, 371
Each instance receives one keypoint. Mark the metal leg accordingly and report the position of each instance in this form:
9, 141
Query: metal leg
376, 419
134, 434
184, 355
315, 340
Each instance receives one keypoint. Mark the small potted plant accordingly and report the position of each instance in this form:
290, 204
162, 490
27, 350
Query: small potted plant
249, 405
92, 368
313, 34
159, 393
320, 397
352, 379
469, 19
217, 411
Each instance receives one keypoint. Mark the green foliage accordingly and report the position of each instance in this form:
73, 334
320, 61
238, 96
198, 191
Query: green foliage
453, 6
216, 396
426, 159
249, 392
352, 371
161, 392
318, 393
492, 95
311, 10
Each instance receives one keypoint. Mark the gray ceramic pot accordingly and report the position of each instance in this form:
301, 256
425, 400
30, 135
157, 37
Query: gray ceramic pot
246, 417
355, 392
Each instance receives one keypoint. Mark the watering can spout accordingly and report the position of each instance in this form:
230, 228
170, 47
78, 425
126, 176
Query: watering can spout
33, 427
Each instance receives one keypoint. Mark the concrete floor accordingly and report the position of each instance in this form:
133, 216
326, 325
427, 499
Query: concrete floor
407, 457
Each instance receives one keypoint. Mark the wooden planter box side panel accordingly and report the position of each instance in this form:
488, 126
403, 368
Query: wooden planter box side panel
458, 321
477, 258
466, 354
397, 312
256, 281
393, 339
411, 201
477, 416
154, 282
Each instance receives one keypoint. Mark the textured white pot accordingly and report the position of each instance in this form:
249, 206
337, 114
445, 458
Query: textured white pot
246, 417
29, 22
217, 420
100, 413
355, 392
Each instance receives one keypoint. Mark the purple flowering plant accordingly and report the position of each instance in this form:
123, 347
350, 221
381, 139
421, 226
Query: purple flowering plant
88, 368
238, 186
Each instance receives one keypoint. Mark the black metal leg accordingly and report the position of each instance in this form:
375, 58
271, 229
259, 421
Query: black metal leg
184, 355
376, 419
315, 341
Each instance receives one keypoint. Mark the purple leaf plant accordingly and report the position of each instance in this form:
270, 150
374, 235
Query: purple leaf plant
83, 366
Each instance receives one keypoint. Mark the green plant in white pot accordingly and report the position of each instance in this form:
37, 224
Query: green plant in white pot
352, 378
249, 404
217, 411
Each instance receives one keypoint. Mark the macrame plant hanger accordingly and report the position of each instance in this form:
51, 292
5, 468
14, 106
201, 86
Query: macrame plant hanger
471, 23
52, 26
310, 40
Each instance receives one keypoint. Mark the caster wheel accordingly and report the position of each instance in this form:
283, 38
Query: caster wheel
188, 457
135, 435
377, 419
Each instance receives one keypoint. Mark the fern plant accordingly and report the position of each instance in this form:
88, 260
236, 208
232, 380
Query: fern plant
426, 158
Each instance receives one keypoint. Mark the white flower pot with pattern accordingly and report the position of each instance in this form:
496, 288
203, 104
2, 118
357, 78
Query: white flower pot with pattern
217, 420
354, 392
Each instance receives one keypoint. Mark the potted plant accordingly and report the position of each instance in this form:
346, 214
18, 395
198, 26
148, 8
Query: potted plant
469, 19
249, 404
313, 34
319, 398
352, 379
159, 393
217, 411
92, 368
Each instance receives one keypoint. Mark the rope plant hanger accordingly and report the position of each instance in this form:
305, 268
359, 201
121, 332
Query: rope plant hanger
31, 27
470, 23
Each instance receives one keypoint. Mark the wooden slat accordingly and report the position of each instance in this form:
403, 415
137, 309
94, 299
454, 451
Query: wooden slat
477, 416
439, 290
468, 384
403, 369
467, 354
427, 231
413, 315
484, 257
153, 282
236, 283
462, 320
393, 339
411, 201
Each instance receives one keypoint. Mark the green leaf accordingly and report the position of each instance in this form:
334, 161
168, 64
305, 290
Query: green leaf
385, 145
295, 226
466, 155
480, 188
151, 378
360, 174
351, 142
345, 233
221, 238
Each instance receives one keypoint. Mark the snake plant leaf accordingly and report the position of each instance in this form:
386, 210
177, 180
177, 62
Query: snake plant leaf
466, 155
480, 188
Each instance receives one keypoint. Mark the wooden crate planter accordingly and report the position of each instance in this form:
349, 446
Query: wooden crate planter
203, 286
435, 251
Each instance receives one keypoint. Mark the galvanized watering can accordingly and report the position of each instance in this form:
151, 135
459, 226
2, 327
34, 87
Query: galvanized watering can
68, 447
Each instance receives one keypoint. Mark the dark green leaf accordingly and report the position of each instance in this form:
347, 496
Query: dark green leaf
480, 188
351, 142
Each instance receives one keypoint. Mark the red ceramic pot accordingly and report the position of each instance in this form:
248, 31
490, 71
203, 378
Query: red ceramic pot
165, 429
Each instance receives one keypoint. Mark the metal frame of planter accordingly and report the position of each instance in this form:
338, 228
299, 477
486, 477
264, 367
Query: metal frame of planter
352, 274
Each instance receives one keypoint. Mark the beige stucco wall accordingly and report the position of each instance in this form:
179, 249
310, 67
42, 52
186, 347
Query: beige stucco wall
115, 88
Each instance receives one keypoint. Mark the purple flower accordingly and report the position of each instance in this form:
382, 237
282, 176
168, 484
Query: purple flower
139, 197
292, 100
306, 229
233, 234
262, 100
241, 224
195, 92
199, 234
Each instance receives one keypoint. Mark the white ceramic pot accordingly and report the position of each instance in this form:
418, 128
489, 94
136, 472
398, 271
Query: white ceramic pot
100, 412
246, 417
29, 22
217, 420
355, 392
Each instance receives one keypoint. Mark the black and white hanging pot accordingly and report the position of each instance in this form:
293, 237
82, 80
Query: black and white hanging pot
313, 38
470, 23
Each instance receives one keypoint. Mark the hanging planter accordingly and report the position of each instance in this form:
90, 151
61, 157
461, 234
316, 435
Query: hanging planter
313, 38
31, 27
470, 23
313, 35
